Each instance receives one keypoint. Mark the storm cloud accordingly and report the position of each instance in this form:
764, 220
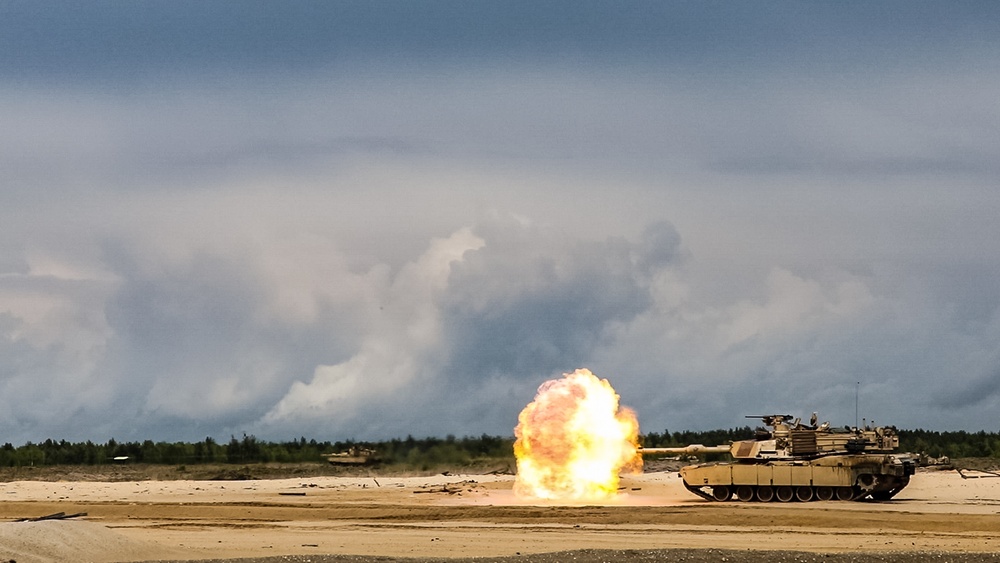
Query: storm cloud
347, 222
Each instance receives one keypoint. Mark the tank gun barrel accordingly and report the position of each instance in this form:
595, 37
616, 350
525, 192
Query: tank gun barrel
693, 449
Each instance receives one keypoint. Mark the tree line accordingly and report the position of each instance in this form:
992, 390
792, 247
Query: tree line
413, 452
248, 449
952, 444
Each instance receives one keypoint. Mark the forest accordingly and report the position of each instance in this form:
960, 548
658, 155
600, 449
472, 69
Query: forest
413, 452
409, 452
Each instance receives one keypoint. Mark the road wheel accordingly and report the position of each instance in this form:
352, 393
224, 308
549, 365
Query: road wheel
867, 482
720, 493
744, 493
765, 494
845, 493
824, 493
804, 494
784, 494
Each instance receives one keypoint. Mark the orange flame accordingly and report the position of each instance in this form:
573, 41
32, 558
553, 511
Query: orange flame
573, 440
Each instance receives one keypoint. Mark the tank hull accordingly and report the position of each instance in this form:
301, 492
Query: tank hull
832, 477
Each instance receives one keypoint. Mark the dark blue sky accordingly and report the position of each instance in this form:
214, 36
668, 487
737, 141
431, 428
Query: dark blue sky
130, 41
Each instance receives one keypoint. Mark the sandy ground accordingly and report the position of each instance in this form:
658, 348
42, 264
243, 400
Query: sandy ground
469, 516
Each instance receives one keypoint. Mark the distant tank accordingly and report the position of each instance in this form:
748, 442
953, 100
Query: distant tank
354, 456
793, 461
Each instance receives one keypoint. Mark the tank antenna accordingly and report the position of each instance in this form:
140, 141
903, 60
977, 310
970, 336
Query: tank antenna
857, 391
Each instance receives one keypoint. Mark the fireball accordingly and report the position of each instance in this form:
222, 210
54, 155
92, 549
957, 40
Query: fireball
573, 440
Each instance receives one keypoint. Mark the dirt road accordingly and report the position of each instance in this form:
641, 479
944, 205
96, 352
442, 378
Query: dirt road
473, 516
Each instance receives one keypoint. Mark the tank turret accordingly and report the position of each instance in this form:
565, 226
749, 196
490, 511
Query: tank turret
789, 460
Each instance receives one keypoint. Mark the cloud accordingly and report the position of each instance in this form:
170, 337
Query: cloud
284, 334
476, 319
402, 349
528, 304
342, 233
52, 337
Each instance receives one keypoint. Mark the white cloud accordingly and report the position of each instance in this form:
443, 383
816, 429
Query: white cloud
793, 305
404, 346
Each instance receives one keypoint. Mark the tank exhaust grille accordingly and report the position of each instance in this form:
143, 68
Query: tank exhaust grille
803, 443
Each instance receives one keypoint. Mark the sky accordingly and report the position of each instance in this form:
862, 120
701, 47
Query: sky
366, 220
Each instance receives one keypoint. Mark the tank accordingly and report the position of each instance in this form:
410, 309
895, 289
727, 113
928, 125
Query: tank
354, 456
789, 461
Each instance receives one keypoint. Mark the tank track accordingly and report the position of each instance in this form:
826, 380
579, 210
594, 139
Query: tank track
764, 493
